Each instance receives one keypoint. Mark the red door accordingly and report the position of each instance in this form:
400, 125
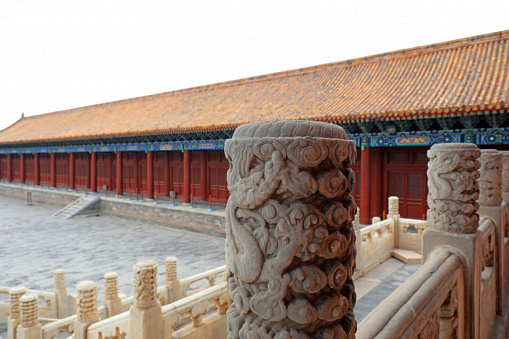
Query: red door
16, 167
128, 169
29, 168
3, 167
405, 177
142, 163
196, 190
62, 162
217, 169
177, 172
81, 170
160, 164
45, 169
105, 171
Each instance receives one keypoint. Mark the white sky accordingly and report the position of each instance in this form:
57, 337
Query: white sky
57, 55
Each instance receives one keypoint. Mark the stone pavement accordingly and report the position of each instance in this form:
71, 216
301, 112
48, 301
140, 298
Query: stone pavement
33, 244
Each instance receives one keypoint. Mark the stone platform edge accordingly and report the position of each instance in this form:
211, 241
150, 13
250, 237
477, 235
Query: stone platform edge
196, 220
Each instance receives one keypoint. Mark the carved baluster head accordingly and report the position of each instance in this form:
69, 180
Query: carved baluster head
15, 295
145, 284
171, 269
393, 206
490, 178
87, 301
59, 277
290, 239
453, 188
29, 310
111, 286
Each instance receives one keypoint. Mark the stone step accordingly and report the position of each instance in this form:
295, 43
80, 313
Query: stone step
407, 256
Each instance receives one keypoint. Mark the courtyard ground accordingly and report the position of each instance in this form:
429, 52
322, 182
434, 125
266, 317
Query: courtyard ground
33, 244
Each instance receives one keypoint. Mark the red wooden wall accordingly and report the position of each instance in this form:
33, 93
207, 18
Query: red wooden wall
177, 172
81, 170
45, 168
129, 162
405, 177
3, 167
160, 176
196, 189
62, 169
106, 171
16, 167
217, 166
29, 168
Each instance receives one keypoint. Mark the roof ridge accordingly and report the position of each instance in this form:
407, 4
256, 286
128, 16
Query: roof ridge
446, 45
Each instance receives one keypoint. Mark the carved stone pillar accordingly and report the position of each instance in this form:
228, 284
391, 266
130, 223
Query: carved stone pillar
111, 300
290, 240
145, 318
490, 178
29, 310
87, 308
505, 175
393, 206
453, 221
61, 294
490, 201
13, 320
171, 280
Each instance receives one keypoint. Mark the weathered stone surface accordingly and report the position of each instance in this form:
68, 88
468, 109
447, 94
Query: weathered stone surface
145, 284
490, 178
505, 169
290, 240
453, 188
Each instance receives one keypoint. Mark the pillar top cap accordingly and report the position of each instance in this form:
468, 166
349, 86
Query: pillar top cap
86, 285
29, 297
454, 147
489, 151
145, 264
110, 275
59, 271
289, 129
170, 259
18, 290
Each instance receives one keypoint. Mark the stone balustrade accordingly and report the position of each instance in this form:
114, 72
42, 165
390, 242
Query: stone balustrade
113, 303
460, 291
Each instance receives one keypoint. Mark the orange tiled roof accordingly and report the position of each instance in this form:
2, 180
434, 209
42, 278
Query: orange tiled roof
462, 75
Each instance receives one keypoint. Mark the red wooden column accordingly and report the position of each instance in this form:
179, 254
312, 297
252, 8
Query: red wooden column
71, 171
137, 171
187, 176
150, 175
93, 172
53, 170
376, 184
120, 188
9, 167
167, 174
22, 168
37, 174
365, 183
203, 176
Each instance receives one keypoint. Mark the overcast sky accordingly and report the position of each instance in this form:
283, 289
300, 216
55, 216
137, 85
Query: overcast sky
57, 55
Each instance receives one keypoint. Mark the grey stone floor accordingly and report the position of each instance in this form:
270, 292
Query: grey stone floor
33, 244
376, 285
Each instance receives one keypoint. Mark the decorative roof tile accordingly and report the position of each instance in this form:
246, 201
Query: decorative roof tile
457, 76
